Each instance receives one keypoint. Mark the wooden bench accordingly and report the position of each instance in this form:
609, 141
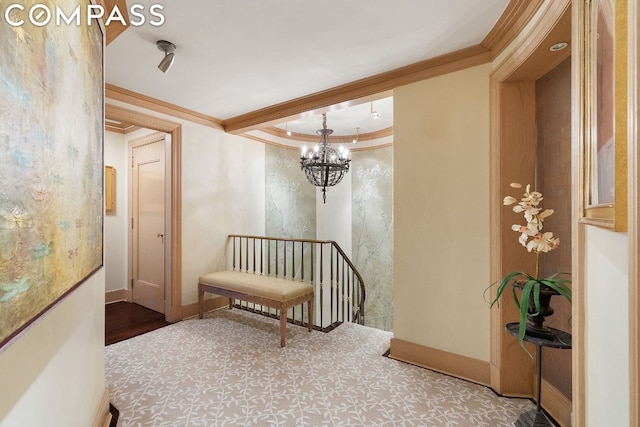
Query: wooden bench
274, 292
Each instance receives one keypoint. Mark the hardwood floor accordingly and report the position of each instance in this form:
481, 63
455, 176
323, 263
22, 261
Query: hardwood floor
124, 320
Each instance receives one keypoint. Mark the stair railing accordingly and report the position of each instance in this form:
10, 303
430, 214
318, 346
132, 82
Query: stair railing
339, 288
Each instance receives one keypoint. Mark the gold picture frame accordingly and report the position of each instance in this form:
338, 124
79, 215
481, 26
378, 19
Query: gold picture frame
109, 189
51, 180
603, 75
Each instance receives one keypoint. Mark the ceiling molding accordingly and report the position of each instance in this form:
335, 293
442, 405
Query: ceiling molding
444, 64
268, 142
531, 59
549, 30
290, 147
115, 27
120, 114
373, 147
515, 16
120, 126
279, 133
133, 98
111, 128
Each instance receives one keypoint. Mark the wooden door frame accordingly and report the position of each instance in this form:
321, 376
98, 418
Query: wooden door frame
513, 147
634, 211
173, 269
167, 229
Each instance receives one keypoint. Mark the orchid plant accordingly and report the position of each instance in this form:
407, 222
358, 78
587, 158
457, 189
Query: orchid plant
534, 240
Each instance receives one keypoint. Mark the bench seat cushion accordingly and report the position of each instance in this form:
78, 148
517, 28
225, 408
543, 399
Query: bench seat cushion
274, 288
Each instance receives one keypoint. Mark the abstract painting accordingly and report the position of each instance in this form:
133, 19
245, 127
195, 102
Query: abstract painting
51, 163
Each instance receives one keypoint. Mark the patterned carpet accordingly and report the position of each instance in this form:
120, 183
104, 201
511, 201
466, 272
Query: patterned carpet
229, 370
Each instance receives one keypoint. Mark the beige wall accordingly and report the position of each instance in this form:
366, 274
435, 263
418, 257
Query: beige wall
223, 192
53, 375
441, 210
115, 223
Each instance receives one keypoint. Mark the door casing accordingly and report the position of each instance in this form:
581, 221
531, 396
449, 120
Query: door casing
173, 267
149, 298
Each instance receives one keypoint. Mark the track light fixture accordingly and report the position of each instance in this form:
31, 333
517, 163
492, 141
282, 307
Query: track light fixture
355, 141
374, 113
169, 54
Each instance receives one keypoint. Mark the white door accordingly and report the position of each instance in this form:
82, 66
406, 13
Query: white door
148, 183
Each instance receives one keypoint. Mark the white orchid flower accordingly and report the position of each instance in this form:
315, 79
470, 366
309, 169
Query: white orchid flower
531, 214
546, 213
525, 231
532, 197
543, 243
509, 200
535, 198
531, 235
550, 242
524, 237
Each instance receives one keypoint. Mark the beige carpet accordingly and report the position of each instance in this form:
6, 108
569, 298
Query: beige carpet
229, 370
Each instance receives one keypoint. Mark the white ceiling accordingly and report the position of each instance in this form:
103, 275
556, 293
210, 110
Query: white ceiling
237, 56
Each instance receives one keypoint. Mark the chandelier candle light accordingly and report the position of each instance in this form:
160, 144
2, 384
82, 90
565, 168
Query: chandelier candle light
324, 166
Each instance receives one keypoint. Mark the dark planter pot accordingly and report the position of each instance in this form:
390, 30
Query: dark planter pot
535, 320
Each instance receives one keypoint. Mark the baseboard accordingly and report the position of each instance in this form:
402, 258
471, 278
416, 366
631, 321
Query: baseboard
452, 364
556, 404
103, 416
114, 296
213, 303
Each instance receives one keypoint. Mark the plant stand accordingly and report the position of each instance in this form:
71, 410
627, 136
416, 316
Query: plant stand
560, 339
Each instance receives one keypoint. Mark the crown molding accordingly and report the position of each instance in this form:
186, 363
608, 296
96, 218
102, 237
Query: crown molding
293, 147
119, 126
444, 64
303, 137
115, 28
267, 141
120, 114
512, 21
115, 129
133, 98
123, 128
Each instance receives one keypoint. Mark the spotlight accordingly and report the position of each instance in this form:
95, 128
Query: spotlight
169, 54
374, 113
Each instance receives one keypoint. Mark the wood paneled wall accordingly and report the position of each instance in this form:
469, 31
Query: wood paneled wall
553, 180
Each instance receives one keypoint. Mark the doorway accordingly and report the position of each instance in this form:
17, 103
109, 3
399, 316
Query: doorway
147, 231
173, 212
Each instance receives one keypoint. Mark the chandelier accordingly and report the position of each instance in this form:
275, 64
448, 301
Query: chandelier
324, 166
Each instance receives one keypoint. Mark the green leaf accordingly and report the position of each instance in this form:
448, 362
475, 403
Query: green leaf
503, 284
524, 306
536, 298
530, 289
